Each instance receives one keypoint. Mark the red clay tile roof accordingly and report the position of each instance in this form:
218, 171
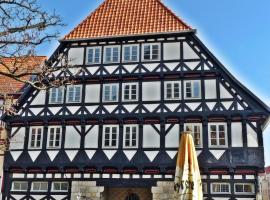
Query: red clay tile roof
128, 17
267, 170
10, 85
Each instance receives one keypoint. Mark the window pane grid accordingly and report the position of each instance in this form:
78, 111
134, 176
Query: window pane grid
130, 92
54, 137
130, 136
130, 53
221, 188
110, 93
110, 136
60, 186
217, 135
93, 55
90, 55
192, 89
172, 90
56, 95
147, 53
151, 52
244, 188
74, 94
97, 55
35, 138
19, 186
39, 186
111, 54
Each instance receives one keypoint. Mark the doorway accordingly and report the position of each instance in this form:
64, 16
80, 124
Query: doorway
132, 196
127, 193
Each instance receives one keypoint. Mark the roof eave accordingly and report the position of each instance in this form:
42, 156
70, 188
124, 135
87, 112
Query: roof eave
127, 36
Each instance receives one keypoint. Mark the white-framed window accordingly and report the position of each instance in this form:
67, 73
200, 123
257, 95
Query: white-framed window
220, 188
74, 93
192, 89
39, 186
172, 90
110, 136
54, 137
19, 186
130, 92
217, 134
35, 137
130, 53
110, 92
60, 186
111, 54
131, 136
196, 130
151, 52
56, 95
244, 188
93, 55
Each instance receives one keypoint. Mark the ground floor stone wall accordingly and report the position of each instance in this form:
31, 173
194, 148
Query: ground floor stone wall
163, 191
87, 190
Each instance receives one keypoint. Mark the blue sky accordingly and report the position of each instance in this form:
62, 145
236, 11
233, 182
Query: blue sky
237, 32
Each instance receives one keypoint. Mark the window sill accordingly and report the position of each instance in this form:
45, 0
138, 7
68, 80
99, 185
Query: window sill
32, 148
126, 101
53, 103
244, 193
73, 102
109, 101
218, 147
113, 148
173, 99
111, 62
98, 63
191, 98
53, 148
130, 148
154, 60
130, 61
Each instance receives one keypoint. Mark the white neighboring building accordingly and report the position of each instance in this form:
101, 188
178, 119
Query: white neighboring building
264, 183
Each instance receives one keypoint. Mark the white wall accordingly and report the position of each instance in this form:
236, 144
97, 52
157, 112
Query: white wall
72, 138
188, 52
92, 93
91, 138
40, 98
75, 56
224, 93
210, 89
150, 137
252, 139
171, 51
151, 91
173, 136
237, 134
17, 141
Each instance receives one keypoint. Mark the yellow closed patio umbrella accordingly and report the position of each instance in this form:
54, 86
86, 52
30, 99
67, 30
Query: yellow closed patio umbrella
187, 184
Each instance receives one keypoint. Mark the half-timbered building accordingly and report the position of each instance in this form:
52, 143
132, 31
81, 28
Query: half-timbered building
144, 76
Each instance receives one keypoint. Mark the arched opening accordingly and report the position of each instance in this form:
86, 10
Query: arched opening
132, 196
